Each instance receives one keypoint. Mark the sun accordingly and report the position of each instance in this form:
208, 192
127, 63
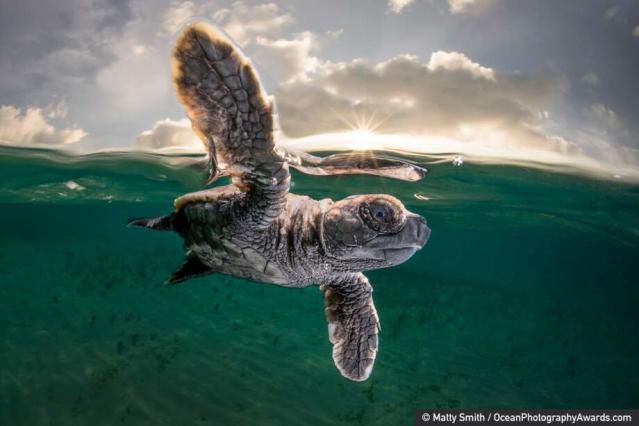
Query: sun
363, 126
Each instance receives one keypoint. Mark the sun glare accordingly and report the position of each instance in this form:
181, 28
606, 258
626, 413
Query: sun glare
363, 126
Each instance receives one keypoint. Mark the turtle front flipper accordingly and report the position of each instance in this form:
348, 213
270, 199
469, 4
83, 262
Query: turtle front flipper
352, 325
232, 116
358, 163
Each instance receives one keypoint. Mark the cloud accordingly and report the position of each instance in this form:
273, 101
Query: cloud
46, 48
454, 6
245, 23
458, 62
447, 101
169, 133
464, 6
602, 136
396, 6
57, 110
591, 79
135, 82
260, 30
335, 34
32, 128
450, 96
176, 16
604, 115
287, 59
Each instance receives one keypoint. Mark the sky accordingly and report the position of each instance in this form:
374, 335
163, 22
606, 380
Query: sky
540, 79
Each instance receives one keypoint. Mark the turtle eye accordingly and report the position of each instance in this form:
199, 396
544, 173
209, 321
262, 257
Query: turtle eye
379, 212
381, 216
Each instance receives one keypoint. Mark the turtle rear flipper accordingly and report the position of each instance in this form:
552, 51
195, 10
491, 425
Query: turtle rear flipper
352, 325
162, 223
191, 268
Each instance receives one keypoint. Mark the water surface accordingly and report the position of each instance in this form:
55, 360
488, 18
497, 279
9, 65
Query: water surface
525, 296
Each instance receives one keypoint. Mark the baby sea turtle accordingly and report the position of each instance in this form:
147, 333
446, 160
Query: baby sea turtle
255, 228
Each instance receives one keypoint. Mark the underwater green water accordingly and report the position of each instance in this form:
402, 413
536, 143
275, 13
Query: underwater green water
526, 296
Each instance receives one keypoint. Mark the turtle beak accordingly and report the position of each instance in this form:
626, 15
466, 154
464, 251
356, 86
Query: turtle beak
417, 228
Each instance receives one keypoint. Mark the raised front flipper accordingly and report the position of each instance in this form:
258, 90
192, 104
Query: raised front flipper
352, 325
229, 112
358, 163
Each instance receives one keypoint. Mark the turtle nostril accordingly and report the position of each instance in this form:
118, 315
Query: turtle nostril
421, 219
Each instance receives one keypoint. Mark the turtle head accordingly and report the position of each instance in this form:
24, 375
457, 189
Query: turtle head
371, 231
